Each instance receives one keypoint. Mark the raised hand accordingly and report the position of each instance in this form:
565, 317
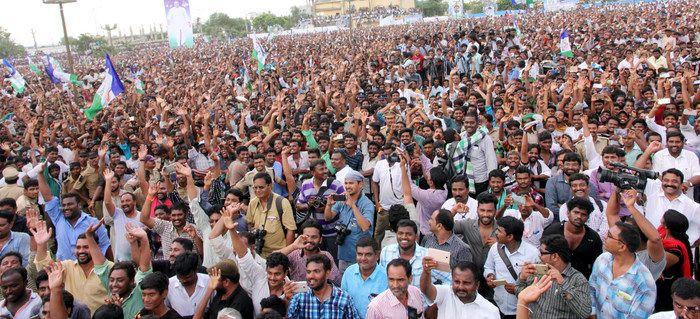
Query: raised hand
42, 234
143, 151
55, 272
183, 169
534, 291
136, 231
214, 278
153, 189
32, 218
655, 146
108, 175
90, 231
191, 231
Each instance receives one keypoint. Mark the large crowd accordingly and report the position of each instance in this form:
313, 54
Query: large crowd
461, 168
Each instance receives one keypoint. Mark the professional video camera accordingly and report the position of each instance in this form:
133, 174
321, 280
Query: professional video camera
343, 232
628, 177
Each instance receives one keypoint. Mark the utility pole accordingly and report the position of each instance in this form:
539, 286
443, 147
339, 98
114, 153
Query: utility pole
109, 29
65, 31
34, 38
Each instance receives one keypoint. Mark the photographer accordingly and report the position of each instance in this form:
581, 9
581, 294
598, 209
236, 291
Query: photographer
312, 199
269, 217
355, 217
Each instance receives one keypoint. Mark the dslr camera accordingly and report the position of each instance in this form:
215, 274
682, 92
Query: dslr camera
393, 159
318, 202
259, 235
628, 177
343, 233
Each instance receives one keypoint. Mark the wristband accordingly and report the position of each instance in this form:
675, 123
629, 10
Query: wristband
150, 198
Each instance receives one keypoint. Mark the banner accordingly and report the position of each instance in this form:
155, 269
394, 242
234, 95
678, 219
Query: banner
455, 8
490, 9
177, 13
554, 5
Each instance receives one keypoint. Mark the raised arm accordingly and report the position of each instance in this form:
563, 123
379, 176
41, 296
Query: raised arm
426, 283
654, 245
109, 203
95, 253
44, 188
144, 248
145, 217
56, 306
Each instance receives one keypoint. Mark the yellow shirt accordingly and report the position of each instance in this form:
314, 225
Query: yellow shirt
89, 179
86, 289
256, 218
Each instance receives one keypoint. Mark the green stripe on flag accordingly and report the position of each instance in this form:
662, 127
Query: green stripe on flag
95, 108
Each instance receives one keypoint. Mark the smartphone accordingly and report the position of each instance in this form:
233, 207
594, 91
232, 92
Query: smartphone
541, 269
597, 86
339, 197
664, 101
664, 75
302, 286
518, 199
499, 282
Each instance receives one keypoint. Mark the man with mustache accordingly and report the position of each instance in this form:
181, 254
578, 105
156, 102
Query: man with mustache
366, 279
584, 242
119, 217
461, 204
79, 276
401, 298
597, 219
667, 193
463, 297
322, 297
305, 246
558, 190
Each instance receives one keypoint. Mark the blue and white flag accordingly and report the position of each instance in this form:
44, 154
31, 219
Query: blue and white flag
16, 80
110, 88
565, 45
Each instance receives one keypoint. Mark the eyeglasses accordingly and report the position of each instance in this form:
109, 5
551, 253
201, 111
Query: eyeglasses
542, 253
689, 310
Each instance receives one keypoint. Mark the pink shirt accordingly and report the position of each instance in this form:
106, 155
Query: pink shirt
387, 306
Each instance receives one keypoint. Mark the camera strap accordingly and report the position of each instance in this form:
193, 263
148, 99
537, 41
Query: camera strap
502, 253
278, 207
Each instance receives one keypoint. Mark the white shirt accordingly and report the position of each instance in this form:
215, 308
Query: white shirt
597, 220
303, 161
495, 265
180, 301
471, 204
258, 278
120, 245
340, 175
686, 162
449, 305
534, 225
26, 312
691, 138
657, 204
573, 132
389, 179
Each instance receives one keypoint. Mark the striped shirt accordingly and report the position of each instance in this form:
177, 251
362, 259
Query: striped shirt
308, 193
354, 160
571, 299
459, 250
629, 296
307, 306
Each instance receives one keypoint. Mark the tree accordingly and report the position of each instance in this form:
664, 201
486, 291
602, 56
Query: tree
267, 19
474, 7
432, 8
221, 25
8, 47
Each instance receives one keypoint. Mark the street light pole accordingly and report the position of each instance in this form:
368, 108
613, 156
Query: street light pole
65, 37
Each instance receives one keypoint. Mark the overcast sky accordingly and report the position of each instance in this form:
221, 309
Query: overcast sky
19, 17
